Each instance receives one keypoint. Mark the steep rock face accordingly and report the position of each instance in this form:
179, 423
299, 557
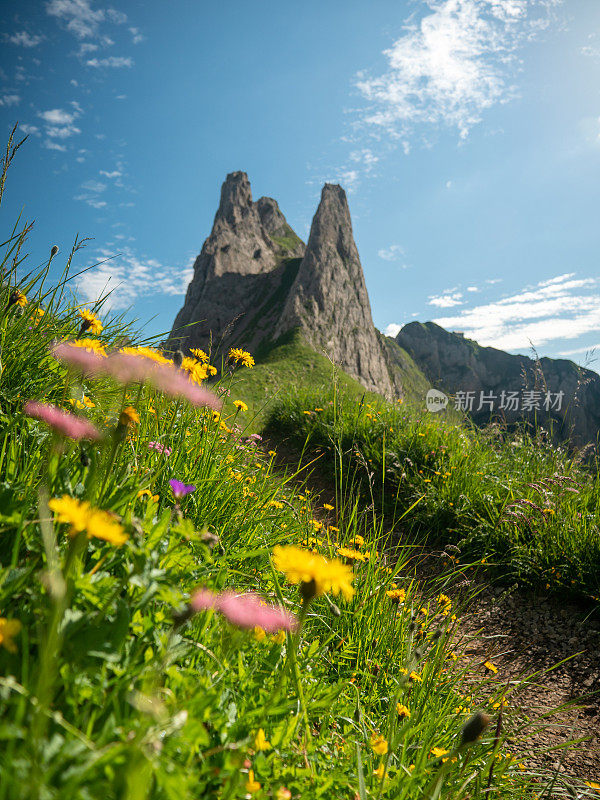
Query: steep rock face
328, 300
254, 281
243, 263
455, 364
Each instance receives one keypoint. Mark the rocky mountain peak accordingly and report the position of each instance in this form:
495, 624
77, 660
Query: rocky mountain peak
328, 300
255, 281
236, 198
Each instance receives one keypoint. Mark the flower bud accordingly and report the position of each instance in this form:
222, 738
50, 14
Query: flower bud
53, 251
178, 358
474, 727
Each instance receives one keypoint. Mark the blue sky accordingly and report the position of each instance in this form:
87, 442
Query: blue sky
466, 133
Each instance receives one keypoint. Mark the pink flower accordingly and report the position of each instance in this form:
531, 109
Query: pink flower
245, 610
63, 422
127, 368
160, 448
79, 357
203, 599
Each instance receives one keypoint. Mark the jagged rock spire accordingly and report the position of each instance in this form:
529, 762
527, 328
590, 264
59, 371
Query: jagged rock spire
240, 263
328, 300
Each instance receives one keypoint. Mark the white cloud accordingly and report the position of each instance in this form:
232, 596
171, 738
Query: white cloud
94, 186
91, 193
85, 48
366, 157
10, 100
130, 277
62, 133
136, 35
60, 123
81, 19
110, 61
392, 253
121, 97
50, 145
29, 130
24, 39
57, 116
448, 184
114, 174
393, 329
472, 289
457, 61
446, 300
563, 307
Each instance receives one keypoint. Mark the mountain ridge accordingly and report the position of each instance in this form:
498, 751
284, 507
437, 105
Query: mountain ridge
255, 283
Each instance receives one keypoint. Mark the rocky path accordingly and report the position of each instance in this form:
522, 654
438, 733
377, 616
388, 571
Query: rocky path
523, 635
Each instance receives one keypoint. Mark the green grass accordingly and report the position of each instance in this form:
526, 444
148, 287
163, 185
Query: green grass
288, 365
525, 506
112, 687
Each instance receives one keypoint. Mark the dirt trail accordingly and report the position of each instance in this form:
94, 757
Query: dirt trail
521, 634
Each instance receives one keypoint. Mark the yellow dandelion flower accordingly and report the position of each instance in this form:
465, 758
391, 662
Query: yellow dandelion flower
491, 667
82, 517
591, 784
129, 416
252, 786
415, 677
240, 357
240, 405
379, 745
357, 541
403, 711
328, 507
314, 572
199, 354
196, 371
439, 751
102, 525
90, 322
260, 741
279, 637
92, 345
275, 504
379, 773
74, 512
259, 633
396, 595
146, 352
9, 628
353, 555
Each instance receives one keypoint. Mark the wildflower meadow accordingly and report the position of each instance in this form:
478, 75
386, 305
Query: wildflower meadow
181, 618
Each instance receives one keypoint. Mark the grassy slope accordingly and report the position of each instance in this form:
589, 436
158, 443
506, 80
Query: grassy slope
520, 503
288, 366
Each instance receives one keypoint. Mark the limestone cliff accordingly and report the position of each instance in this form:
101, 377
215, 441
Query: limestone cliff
254, 281
328, 300
247, 258
553, 393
